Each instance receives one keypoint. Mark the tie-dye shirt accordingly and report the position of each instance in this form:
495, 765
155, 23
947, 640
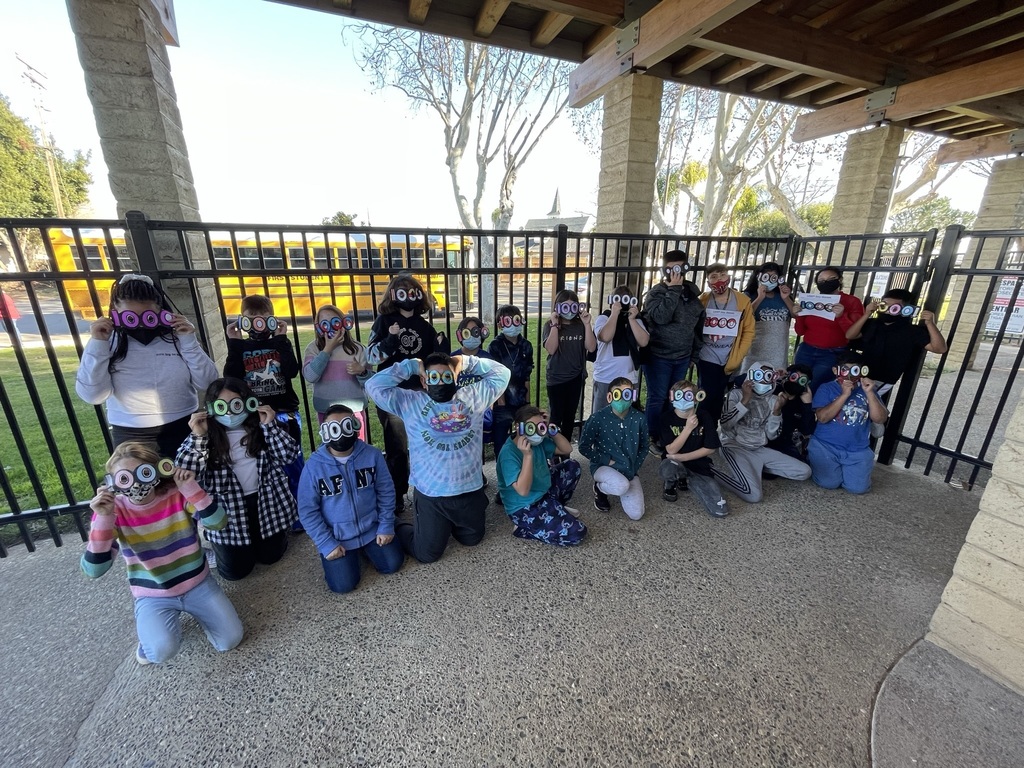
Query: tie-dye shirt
158, 540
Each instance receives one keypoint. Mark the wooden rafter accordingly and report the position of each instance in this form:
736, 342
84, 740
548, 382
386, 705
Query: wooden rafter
993, 78
734, 71
607, 12
893, 24
488, 16
693, 61
967, 20
981, 41
668, 27
418, 10
802, 86
548, 27
773, 77
834, 92
842, 12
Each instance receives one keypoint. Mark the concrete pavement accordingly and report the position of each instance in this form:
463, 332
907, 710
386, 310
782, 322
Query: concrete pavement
678, 640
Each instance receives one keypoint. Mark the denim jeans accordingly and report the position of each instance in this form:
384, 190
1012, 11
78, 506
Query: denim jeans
833, 467
158, 620
820, 362
661, 374
342, 574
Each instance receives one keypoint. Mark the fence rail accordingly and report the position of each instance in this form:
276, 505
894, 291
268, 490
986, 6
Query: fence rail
60, 272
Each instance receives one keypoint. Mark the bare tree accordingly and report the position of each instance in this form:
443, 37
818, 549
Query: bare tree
494, 106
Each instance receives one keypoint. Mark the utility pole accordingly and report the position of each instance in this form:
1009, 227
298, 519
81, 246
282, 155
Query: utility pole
36, 77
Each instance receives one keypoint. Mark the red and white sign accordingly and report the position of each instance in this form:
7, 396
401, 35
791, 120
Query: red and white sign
1002, 304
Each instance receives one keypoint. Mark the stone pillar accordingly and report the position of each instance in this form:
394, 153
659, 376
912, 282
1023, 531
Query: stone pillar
866, 181
1002, 207
128, 78
981, 616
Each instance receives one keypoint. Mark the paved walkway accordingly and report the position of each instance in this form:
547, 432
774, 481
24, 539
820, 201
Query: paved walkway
678, 640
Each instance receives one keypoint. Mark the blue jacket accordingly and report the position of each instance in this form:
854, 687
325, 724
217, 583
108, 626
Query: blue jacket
348, 504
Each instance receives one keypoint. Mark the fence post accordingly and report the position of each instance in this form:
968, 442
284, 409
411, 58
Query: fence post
941, 275
142, 243
561, 256
790, 250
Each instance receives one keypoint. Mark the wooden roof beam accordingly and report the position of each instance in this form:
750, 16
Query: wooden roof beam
996, 77
843, 12
802, 86
912, 15
694, 61
975, 131
973, 18
608, 12
924, 121
488, 16
983, 40
834, 92
734, 71
418, 10
668, 27
773, 77
548, 27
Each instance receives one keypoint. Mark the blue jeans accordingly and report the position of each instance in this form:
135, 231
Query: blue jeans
833, 467
661, 374
820, 362
158, 620
342, 574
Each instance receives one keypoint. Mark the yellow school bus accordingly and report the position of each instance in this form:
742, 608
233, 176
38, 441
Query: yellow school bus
238, 256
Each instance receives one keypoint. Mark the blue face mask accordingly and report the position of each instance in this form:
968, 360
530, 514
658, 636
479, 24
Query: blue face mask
512, 332
233, 420
763, 389
472, 342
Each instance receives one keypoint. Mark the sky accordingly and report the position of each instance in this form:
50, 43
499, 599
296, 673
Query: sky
282, 125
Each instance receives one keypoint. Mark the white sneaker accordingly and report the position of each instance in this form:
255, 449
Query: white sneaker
139, 657
571, 511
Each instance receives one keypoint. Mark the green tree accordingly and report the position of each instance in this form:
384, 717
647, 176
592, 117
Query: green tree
771, 222
25, 185
931, 213
341, 219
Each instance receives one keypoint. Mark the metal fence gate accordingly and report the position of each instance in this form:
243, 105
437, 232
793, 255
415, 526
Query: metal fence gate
59, 271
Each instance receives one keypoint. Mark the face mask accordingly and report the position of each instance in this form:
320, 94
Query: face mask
762, 388
472, 342
829, 286
535, 439
407, 298
138, 483
621, 406
684, 413
770, 285
720, 286
139, 491
258, 327
232, 420
512, 331
143, 335
442, 393
339, 434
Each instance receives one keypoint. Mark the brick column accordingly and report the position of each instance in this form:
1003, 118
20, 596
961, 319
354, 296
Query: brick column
128, 78
1002, 207
981, 616
866, 181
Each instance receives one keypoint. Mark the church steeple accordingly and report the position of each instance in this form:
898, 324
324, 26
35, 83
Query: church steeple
556, 206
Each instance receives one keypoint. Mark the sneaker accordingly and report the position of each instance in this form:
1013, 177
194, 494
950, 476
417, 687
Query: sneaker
571, 511
140, 657
720, 510
682, 484
655, 448
498, 501
601, 503
669, 492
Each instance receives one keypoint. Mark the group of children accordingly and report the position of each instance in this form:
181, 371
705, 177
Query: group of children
237, 466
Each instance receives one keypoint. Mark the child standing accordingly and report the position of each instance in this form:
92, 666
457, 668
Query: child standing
515, 352
728, 334
772, 306
142, 512
400, 333
839, 451
146, 364
825, 337
620, 335
347, 503
238, 455
615, 440
567, 338
690, 436
534, 493
335, 364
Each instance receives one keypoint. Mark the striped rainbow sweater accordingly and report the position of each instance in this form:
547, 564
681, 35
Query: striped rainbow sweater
159, 541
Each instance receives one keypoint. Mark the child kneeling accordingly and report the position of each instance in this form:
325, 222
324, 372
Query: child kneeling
142, 511
615, 440
533, 493
347, 503
689, 436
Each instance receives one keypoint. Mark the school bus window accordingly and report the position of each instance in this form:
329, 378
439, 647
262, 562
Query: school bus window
124, 259
396, 259
296, 258
93, 259
248, 258
341, 258
437, 258
416, 260
222, 258
272, 258
319, 258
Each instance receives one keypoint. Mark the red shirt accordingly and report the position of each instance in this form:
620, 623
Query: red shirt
830, 334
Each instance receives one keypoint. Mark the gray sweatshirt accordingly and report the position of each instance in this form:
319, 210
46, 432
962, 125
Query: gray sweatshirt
153, 385
751, 425
674, 316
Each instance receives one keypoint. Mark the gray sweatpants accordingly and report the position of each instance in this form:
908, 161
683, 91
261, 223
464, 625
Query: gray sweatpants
705, 488
740, 469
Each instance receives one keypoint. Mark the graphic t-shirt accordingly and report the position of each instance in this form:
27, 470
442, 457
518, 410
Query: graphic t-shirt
416, 339
570, 361
772, 322
850, 429
716, 348
705, 435
268, 367
471, 378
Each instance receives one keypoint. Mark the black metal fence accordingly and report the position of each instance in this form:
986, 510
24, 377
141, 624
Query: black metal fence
59, 272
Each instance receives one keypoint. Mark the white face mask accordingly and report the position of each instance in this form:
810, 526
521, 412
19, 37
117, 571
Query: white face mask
683, 413
535, 439
763, 389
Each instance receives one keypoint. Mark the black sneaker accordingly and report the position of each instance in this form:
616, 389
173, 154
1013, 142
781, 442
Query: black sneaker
682, 484
669, 492
655, 448
601, 503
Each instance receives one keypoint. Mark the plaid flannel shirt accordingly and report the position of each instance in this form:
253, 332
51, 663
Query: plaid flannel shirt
277, 507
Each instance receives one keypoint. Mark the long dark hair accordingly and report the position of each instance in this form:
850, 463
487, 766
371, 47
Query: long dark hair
755, 277
254, 440
566, 295
134, 287
387, 305
348, 344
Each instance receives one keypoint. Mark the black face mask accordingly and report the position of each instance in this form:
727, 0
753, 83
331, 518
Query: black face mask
829, 286
261, 336
442, 393
793, 388
342, 444
144, 335
407, 304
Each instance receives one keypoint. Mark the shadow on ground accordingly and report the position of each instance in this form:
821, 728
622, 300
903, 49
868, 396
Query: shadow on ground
676, 640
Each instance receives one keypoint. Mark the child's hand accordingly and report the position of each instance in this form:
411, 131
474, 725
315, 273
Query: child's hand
785, 291
232, 331
181, 325
355, 369
282, 328
384, 539
554, 319
584, 315
633, 313
334, 342
762, 290
846, 385
748, 391
872, 306
500, 401
838, 310
267, 414
102, 328
395, 329
524, 445
692, 422
806, 396
183, 476
338, 551
103, 502
927, 316
868, 385
197, 423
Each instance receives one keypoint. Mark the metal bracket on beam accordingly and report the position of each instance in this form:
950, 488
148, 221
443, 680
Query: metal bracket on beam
879, 100
626, 66
632, 10
627, 38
